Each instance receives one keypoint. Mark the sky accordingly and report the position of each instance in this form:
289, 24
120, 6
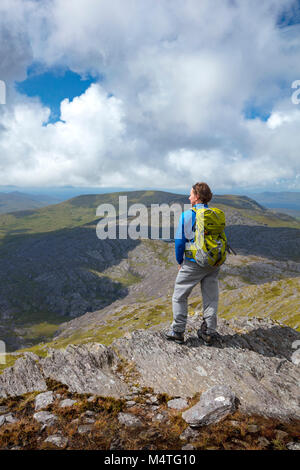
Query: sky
145, 94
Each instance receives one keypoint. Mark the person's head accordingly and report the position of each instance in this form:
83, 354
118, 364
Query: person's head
200, 192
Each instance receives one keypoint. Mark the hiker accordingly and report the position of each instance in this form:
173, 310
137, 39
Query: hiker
191, 273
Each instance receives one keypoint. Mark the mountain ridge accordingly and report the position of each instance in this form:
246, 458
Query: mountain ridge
65, 272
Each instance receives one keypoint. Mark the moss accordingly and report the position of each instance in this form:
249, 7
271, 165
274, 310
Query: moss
40, 331
9, 361
276, 300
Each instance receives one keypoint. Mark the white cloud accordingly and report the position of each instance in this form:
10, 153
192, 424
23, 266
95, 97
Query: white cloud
181, 74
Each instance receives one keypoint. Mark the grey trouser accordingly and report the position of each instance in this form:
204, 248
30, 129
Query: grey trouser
188, 276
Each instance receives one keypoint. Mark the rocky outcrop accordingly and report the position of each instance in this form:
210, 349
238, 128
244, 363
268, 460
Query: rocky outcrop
253, 358
85, 368
25, 376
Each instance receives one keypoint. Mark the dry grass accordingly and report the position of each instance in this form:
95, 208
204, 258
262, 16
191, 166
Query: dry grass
229, 434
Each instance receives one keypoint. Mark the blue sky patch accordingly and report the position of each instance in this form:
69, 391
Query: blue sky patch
253, 112
53, 86
290, 15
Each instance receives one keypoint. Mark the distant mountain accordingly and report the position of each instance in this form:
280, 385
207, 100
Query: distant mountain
81, 210
16, 201
283, 200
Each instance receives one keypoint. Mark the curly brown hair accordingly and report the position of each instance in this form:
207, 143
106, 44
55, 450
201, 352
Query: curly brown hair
202, 190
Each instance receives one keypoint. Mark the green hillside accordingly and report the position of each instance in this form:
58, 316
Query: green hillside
81, 210
17, 201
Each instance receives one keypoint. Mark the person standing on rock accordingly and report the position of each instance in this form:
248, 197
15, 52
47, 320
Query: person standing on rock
191, 273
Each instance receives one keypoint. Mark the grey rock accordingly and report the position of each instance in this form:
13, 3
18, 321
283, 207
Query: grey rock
85, 369
296, 357
57, 440
89, 413
154, 400
2, 420
253, 428
130, 403
178, 403
3, 409
154, 407
159, 417
189, 433
43, 400
129, 396
45, 418
263, 442
129, 420
92, 398
66, 403
246, 361
214, 404
31, 355
23, 377
234, 423
84, 428
89, 420
281, 435
293, 445
188, 447
10, 418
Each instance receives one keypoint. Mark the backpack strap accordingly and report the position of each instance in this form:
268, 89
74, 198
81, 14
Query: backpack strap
194, 209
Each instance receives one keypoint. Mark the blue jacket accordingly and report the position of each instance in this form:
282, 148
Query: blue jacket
185, 226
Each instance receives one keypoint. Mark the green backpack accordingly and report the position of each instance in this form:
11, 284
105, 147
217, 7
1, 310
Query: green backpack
210, 242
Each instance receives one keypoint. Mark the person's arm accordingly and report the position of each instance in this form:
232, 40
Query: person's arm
180, 240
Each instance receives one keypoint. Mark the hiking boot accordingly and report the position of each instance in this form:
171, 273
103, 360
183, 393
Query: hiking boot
208, 338
174, 336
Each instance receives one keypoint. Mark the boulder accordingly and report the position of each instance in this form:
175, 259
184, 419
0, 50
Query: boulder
45, 418
57, 440
84, 428
178, 403
43, 400
10, 418
214, 404
129, 420
293, 445
66, 403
